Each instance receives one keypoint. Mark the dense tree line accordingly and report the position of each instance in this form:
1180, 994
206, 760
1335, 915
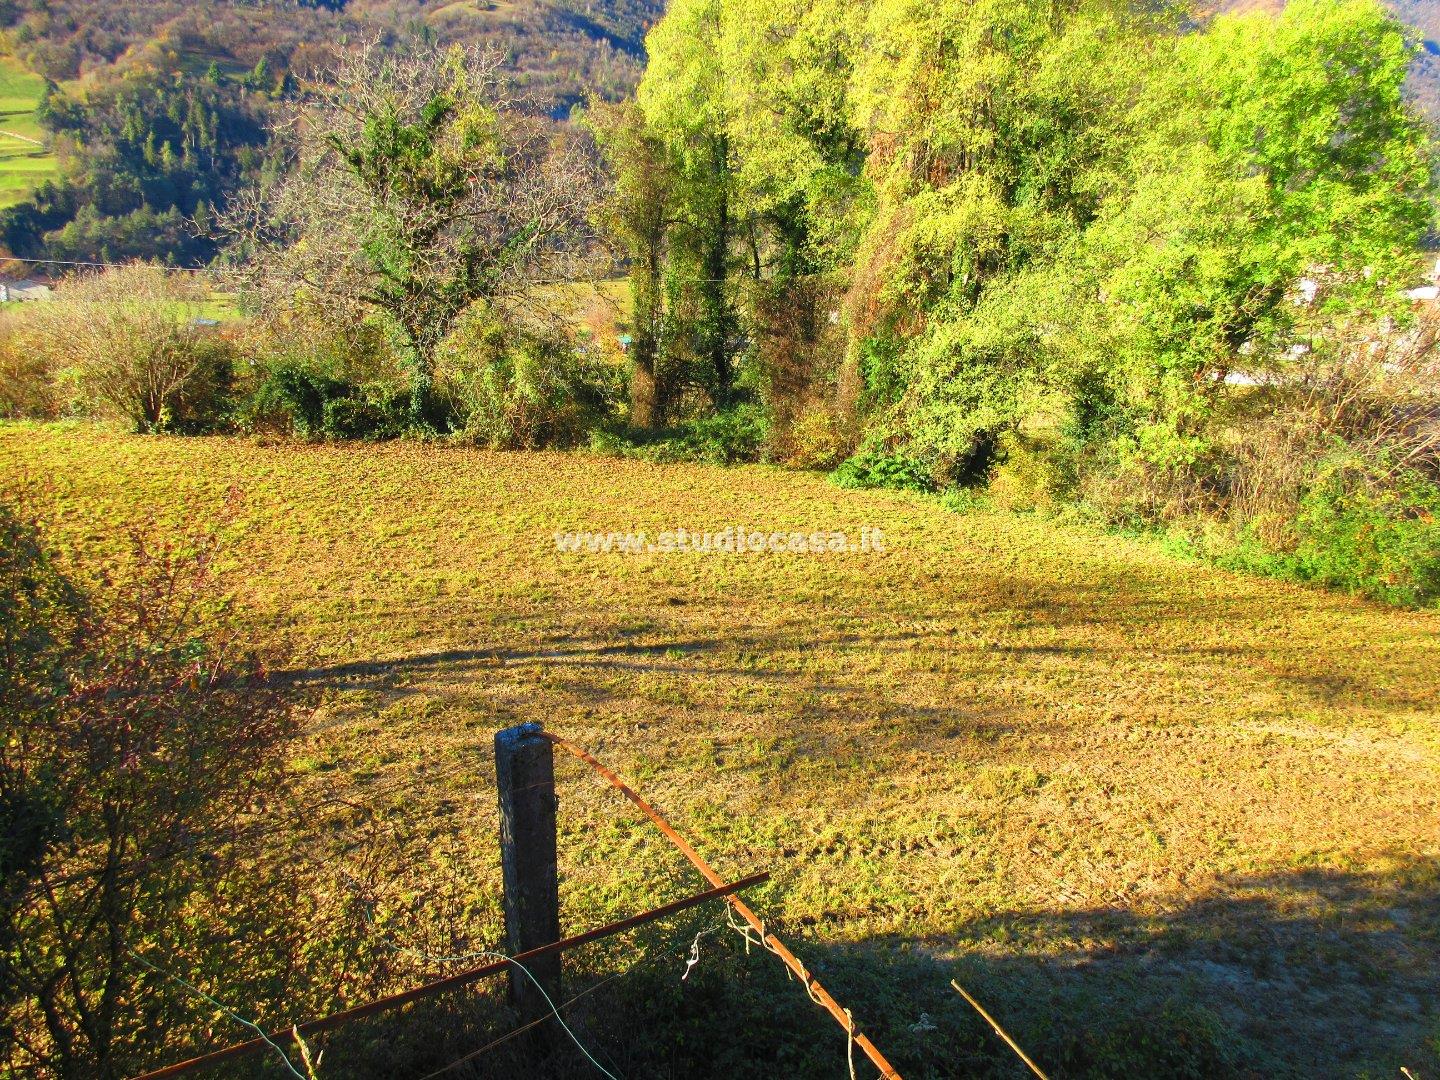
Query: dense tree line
925, 232
147, 157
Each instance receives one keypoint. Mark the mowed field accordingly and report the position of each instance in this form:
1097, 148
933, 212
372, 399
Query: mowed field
1146, 810
25, 162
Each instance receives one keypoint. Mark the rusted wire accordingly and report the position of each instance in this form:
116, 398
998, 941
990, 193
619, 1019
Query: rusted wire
817, 993
999, 1030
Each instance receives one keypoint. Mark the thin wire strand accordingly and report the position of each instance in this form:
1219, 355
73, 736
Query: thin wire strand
482, 954
813, 988
231, 1013
107, 265
560, 1019
234, 840
673, 950
999, 1030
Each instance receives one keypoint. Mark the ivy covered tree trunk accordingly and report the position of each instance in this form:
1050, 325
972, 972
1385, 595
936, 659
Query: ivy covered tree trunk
638, 215
717, 316
649, 402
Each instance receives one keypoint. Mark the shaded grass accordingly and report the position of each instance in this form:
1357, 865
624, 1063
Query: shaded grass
1125, 797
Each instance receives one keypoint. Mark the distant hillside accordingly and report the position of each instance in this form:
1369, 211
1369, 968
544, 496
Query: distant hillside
157, 111
1423, 15
562, 49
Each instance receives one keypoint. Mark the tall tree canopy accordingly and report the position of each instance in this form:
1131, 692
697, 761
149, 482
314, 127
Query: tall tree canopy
1033, 200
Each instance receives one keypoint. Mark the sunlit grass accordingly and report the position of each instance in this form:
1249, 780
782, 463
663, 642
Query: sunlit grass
23, 164
1072, 768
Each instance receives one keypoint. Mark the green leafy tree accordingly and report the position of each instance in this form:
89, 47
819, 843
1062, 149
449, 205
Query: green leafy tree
420, 189
637, 216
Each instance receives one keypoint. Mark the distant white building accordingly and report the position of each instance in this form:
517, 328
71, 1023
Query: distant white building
24, 289
1427, 293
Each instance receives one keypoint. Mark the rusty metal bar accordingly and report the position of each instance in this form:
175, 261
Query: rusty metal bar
454, 982
771, 942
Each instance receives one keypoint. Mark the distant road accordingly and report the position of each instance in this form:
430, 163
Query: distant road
22, 138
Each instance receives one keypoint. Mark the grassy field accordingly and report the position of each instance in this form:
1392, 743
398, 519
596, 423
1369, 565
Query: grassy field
1162, 819
23, 163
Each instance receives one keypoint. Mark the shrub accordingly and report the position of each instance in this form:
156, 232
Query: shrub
27, 381
371, 412
127, 343
317, 377
518, 389
135, 738
874, 468
311, 404
733, 437
1374, 535
817, 439
1026, 477
294, 398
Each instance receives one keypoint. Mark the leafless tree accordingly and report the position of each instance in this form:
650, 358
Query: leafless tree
418, 187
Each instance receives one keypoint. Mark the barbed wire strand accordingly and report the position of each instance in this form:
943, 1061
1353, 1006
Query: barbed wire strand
231, 1013
813, 988
999, 1030
673, 950
108, 265
194, 844
251, 833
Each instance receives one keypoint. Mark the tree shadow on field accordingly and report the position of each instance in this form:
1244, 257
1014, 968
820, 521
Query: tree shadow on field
1318, 654
1307, 973
1302, 974
384, 674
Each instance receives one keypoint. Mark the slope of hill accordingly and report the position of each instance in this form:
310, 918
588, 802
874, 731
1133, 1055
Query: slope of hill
562, 49
159, 108
1142, 802
25, 160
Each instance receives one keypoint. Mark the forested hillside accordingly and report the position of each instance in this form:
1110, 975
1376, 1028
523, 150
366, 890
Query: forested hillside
560, 49
159, 109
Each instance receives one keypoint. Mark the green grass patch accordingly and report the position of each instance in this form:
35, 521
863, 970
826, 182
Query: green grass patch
1155, 814
24, 165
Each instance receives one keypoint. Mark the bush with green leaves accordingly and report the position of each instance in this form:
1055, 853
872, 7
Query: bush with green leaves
319, 377
517, 388
735, 436
302, 401
875, 468
1360, 529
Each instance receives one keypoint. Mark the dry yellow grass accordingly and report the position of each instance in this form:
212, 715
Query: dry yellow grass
1092, 779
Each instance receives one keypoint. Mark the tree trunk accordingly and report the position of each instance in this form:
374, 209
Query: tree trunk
647, 396
715, 308
422, 379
